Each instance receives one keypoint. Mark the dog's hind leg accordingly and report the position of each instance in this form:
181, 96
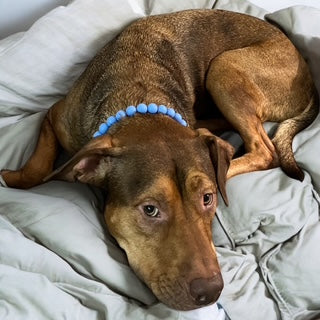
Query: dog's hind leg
40, 164
268, 81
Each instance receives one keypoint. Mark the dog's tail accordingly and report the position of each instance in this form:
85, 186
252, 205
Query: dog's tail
285, 134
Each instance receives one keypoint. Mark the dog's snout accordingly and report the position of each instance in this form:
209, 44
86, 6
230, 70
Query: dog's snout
206, 291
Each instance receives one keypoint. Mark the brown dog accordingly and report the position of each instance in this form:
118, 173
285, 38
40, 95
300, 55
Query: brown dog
161, 178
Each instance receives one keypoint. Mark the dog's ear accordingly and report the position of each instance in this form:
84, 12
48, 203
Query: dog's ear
90, 164
221, 153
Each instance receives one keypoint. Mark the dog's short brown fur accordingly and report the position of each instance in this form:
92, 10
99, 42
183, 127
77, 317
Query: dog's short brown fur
202, 63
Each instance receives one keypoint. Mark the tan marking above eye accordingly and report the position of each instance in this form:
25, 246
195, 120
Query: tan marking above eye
197, 182
162, 189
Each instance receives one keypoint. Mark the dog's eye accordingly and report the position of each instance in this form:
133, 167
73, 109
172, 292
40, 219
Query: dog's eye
151, 211
207, 199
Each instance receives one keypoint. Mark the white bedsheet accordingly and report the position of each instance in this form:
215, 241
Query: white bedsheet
57, 260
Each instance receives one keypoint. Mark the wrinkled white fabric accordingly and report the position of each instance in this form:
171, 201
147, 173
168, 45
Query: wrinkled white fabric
57, 260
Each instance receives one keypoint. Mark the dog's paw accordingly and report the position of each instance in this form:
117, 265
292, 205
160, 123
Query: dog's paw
2, 181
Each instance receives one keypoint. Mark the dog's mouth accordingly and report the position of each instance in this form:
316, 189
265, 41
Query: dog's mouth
187, 295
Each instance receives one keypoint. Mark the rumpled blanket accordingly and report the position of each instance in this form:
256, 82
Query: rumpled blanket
57, 259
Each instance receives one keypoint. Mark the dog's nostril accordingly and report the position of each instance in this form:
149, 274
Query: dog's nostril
205, 291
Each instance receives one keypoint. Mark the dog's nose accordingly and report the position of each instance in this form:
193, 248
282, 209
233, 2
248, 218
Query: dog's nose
205, 291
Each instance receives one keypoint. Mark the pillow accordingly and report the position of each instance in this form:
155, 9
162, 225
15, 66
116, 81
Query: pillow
240, 6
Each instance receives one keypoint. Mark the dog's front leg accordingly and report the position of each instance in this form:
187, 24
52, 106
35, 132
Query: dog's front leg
241, 100
39, 165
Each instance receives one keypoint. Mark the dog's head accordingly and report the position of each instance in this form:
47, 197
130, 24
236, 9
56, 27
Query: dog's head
161, 182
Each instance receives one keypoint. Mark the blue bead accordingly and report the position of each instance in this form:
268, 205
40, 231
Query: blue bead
178, 117
111, 120
103, 128
97, 134
131, 110
142, 108
171, 113
120, 114
162, 109
183, 122
152, 108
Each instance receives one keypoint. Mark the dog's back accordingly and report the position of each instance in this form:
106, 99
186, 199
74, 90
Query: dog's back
163, 59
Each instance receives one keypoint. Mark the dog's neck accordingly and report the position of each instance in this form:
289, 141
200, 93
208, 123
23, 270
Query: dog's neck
141, 108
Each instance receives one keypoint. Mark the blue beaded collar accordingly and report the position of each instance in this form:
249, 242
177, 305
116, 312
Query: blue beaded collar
142, 108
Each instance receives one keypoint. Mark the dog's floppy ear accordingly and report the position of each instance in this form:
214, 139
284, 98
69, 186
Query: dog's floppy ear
90, 164
221, 153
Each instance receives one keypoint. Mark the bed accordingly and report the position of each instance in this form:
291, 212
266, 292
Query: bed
57, 260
